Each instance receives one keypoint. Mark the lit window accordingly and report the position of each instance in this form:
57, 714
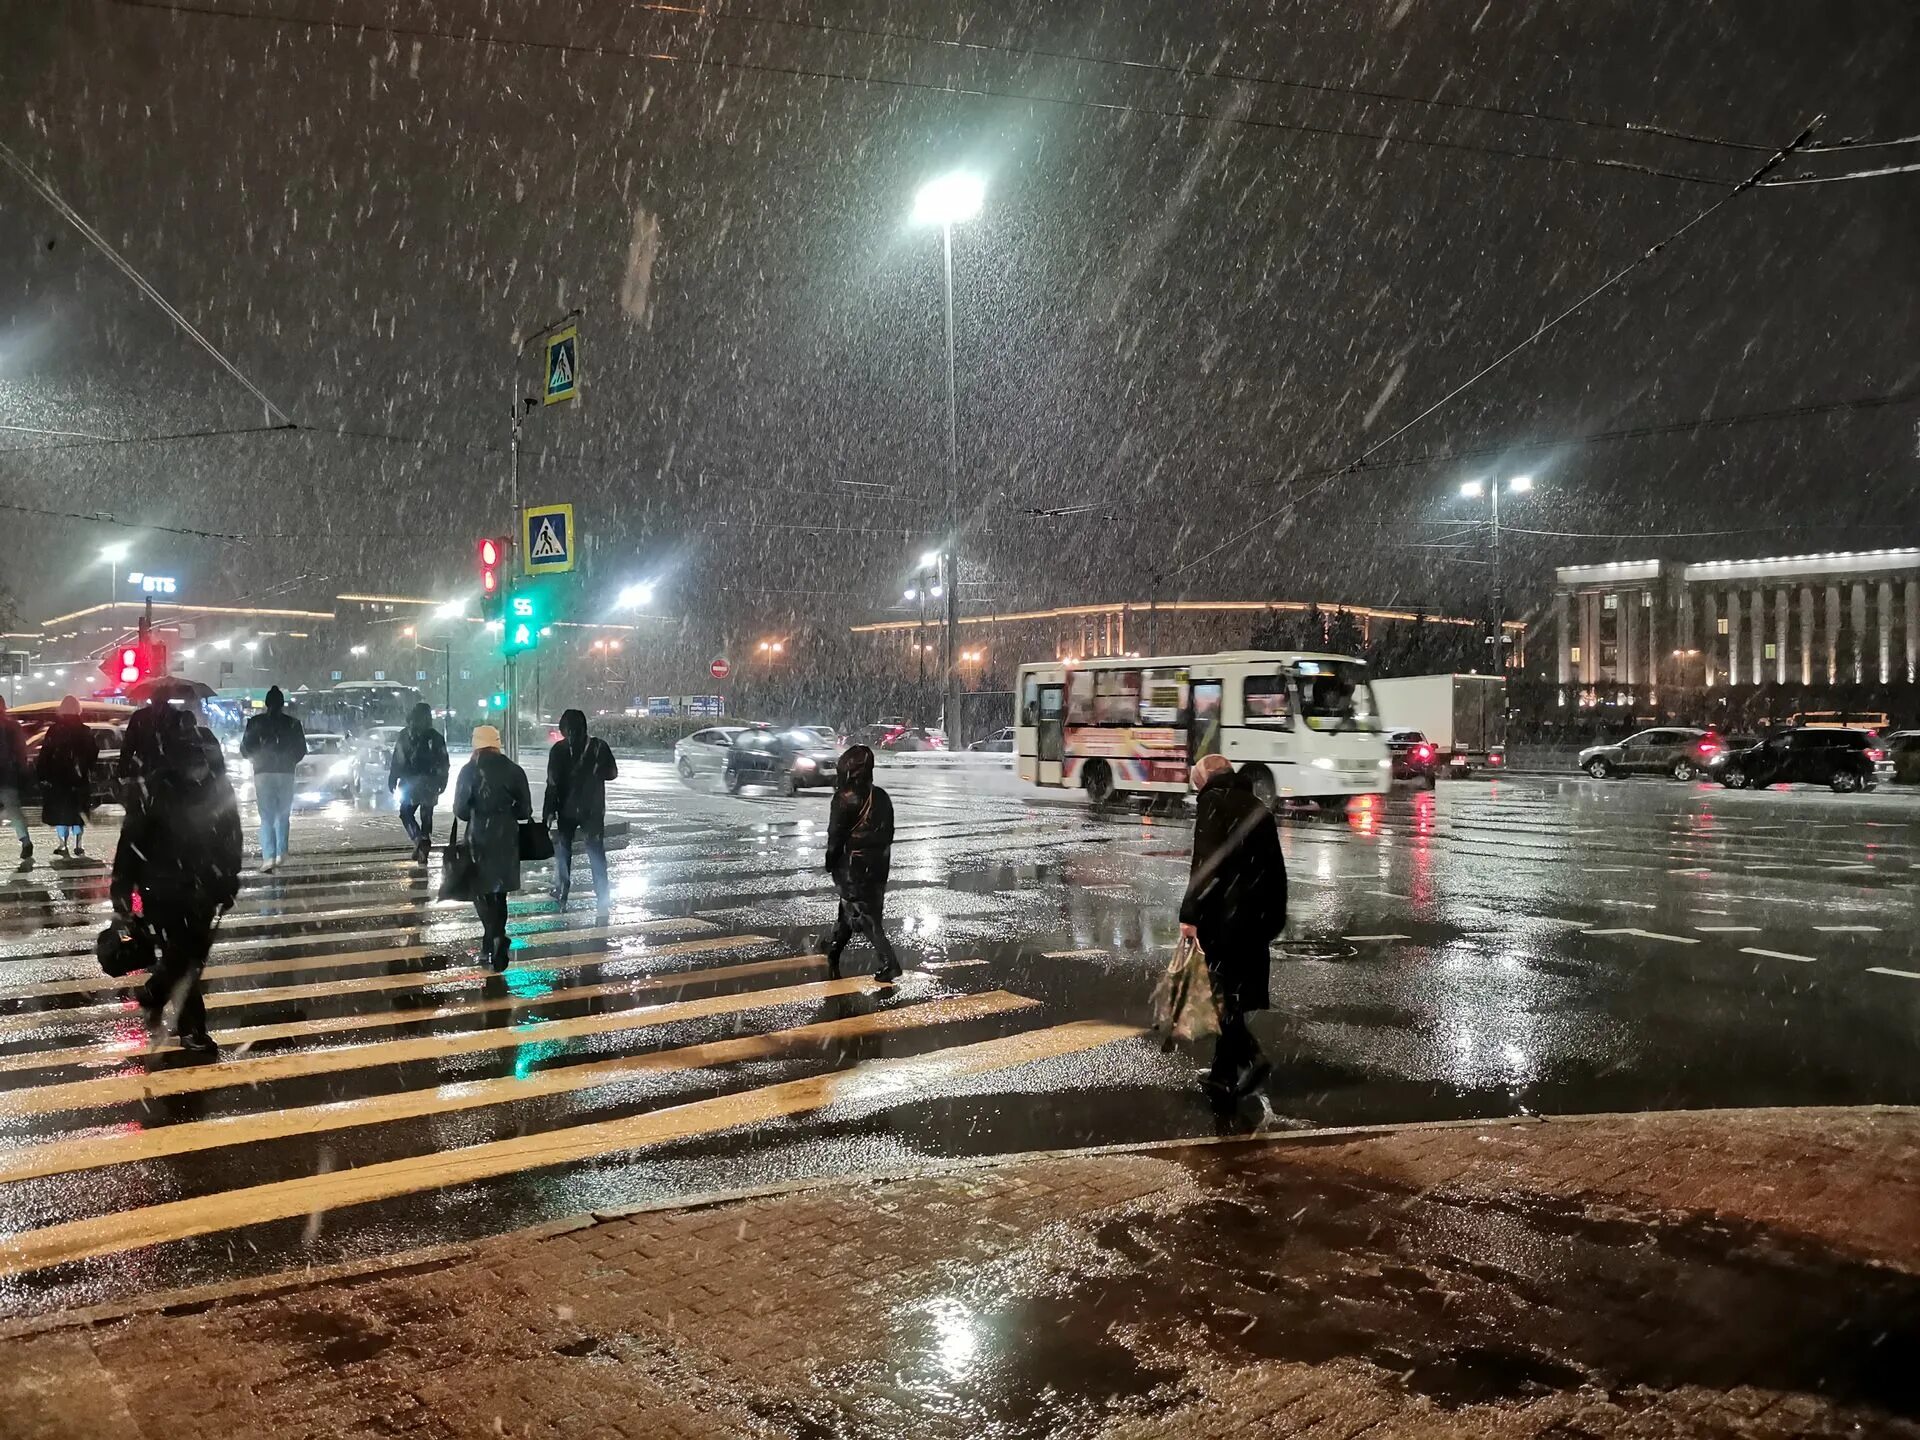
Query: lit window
1574, 654
1721, 625
1610, 602
1772, 653
1646, 599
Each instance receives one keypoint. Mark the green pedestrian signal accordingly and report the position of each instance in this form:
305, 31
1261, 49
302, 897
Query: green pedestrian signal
498, 701
520, 630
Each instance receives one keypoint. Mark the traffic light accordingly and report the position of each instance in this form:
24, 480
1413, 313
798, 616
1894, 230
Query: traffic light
521, 629
497, 700
135, 661
493, 575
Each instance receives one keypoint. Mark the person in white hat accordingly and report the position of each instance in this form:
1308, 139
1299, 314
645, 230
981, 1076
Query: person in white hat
491, 799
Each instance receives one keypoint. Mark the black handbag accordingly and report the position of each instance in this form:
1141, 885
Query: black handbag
536, 842
459, 875
124, 947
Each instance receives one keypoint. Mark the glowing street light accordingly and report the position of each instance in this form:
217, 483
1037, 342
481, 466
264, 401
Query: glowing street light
636, 597
950, 200
355, 650
113, 556
1490, 490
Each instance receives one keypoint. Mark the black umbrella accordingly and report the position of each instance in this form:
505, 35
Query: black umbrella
175, 687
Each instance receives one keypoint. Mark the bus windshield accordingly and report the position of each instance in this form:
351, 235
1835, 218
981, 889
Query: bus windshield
1335, 695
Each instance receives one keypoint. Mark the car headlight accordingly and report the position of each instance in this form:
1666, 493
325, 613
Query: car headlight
340, 769
1321, 762
1386, 764
803, 763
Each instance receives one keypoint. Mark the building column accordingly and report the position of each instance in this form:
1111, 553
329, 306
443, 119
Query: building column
1757, 612
1886, 631
1733, 637
1912, 588
1709, 635
1653, 645
1589, 652
1683, 639
1563, 665
1623, 636
1781, 605
1806, 635
1833, 634
1859, 646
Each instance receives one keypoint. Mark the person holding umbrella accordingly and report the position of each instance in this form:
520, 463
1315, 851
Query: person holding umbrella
65, 771
492, 798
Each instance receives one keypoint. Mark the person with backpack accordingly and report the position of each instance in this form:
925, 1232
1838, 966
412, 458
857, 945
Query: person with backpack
178, 871
417, 774
859, 851
1235, 904
574, 805
65, 771
276, 744
492, 797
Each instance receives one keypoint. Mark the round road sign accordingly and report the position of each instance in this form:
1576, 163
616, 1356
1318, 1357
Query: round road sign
720, 669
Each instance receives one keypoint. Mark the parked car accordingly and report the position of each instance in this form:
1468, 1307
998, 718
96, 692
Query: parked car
106, 788
787, 760
330, 772
1678, 751
373, 750
830, 735
1902, 764
1413, 757
1000, 742
705, 751
912, 739
1841, 759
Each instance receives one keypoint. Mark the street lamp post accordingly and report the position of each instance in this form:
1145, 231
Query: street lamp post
1473, 490
946, 202
114, 555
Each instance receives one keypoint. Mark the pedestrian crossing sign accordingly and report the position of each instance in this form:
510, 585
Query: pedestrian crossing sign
563, 365
547, 539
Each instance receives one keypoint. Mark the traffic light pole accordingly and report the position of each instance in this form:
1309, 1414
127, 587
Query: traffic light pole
512, 569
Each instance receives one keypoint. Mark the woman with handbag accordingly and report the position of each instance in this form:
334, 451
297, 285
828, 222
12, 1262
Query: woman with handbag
65, 772
492, 797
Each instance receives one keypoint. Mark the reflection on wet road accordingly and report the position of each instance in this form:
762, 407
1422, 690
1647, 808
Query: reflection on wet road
1484, 950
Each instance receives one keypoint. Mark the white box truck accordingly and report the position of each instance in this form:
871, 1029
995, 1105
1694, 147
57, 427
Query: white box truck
1463, 716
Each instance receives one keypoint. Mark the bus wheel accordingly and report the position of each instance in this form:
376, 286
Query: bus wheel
1260, 780
1098, 780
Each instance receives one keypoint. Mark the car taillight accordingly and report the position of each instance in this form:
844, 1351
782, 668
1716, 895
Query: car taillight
1707, 747
1423, 752
1496, 758
1876, 755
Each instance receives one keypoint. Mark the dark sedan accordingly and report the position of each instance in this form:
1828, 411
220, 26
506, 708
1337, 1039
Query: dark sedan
1413, 757
786, 760
1842, 760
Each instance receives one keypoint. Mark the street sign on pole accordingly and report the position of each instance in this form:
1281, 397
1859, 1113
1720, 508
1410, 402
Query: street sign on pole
720, 668
548, 540
563, 365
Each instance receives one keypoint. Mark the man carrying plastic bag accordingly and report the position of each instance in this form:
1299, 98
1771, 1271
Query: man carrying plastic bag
1236, 903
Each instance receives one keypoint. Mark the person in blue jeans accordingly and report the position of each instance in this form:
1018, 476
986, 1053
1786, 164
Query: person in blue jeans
574, 805
276, 744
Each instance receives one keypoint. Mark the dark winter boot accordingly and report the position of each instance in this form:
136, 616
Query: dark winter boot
500, 953
26, 855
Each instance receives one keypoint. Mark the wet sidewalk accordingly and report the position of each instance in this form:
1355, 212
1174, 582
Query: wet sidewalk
1749, 1273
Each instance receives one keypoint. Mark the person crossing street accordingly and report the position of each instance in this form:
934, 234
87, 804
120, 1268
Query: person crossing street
574, 804
65, 771
417, 774
13, 775
276, 744
859, 851
492, 798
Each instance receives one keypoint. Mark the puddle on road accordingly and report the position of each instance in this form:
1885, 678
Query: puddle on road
1456, 1301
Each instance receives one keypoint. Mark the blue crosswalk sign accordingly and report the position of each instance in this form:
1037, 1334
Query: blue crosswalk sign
563, 365
547, 539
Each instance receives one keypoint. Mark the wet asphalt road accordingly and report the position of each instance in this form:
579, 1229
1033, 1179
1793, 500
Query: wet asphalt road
1531, 944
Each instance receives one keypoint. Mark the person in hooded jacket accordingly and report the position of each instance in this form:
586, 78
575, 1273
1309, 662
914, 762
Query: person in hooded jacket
1235, 904
492, 797
65, 771
180, 856
13, 774
859, 851
417, 773
276, 744
574, 805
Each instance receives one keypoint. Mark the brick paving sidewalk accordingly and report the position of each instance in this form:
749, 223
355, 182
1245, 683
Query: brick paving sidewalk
1731, 1273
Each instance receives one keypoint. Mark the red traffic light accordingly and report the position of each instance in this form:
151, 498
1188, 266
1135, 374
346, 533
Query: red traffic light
129, 665
489, 552
489, 581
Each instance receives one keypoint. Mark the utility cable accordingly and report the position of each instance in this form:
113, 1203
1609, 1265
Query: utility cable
73, 217
1608, 283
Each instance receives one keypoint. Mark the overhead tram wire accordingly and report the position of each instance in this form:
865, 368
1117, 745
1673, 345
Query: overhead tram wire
614, 52
46, 192
1547, 326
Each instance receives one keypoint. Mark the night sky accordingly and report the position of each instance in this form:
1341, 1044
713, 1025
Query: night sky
1161, 316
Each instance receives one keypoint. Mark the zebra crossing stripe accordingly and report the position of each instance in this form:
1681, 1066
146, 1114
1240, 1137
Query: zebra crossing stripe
879, 1082
62, 1157
258, 1070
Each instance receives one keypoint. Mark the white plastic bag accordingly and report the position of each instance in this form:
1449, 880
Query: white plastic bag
1183, 1003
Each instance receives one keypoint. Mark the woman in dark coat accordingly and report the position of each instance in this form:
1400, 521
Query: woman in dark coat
859, 850
491, 798
65, 773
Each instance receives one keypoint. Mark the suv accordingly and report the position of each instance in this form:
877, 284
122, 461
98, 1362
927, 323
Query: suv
1903, 756
1841, 759
1678, 751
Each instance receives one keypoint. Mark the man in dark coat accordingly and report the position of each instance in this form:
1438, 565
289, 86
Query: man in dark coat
859, 852
575, 805
13, 774
276, 744
417, 773
178, 864
492, 797
68, 754
1236, 903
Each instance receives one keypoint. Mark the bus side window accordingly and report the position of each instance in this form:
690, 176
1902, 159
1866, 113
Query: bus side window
1030, 703
1267, 700
1080, 698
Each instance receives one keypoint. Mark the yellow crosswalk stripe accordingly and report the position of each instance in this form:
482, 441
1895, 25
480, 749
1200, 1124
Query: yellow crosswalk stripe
878, 1081
259, 1070
386, 1019
374, 984
221, 969
121, 1147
